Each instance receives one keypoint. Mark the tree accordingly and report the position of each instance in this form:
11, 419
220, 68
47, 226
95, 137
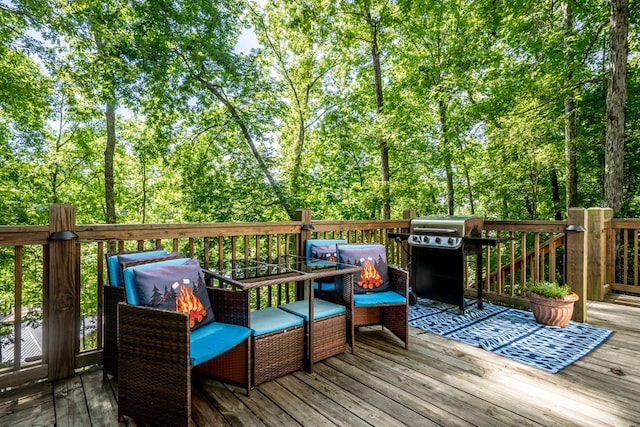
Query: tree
616, 105
369, 22
94, 38
570, 114
195, 40
298, 50
25, 96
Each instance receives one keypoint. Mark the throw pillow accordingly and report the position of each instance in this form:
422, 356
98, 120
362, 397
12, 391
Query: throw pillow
142, 258
374, 276
324, 253
176, 288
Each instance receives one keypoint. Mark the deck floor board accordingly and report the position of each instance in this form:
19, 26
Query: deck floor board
436, 382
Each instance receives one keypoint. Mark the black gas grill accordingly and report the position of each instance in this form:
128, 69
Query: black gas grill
439, 247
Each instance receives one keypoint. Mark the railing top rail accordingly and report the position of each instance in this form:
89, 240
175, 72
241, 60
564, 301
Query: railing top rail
625, 223
330, 225
37, 235
23, 235
169, 231
525, 226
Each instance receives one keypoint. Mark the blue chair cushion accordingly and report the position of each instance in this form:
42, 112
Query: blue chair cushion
171, 285
115, 261
214, 339
378, 298
272, 319
374, 276
321, 252
321, 308
326, 286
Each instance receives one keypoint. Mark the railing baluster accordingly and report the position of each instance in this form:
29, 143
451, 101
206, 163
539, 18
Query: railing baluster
17, 312
512, 262
625, 258
635, 257
552, 257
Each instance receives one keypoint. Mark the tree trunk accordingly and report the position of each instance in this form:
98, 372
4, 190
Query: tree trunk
570, 147
144, 190
231, 109
109, 152
382, 142
616, 105
555, 191
467, 179
446, 152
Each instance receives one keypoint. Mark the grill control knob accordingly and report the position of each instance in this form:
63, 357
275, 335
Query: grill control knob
450, 240
425, 239
415, 239
438, 240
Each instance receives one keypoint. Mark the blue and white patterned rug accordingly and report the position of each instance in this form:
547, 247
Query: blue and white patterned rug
509, 332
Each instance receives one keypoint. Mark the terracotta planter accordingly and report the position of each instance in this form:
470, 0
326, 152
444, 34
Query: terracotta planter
553, 311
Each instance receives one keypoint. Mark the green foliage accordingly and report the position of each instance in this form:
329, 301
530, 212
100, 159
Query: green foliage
549, 290
473, 108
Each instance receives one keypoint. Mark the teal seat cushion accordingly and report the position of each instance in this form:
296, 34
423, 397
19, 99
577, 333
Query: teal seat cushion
378, 298
321, 309
115, 261
272, 319
213, 339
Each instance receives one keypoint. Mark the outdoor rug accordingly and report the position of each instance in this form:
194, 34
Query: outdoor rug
509, 332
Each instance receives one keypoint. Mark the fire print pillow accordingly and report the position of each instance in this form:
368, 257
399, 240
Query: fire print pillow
176, 288
374, 276
326, 253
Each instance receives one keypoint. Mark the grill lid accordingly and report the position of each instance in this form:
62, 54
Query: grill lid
451, 225
444, 231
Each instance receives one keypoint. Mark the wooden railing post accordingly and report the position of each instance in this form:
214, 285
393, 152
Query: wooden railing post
306, 228
599, 221
63, 291
576, 256
404, 253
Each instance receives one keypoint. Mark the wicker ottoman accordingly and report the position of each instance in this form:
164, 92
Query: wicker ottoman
329, 326
277, 343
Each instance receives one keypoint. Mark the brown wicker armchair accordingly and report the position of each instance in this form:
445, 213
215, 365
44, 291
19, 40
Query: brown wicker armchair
113, 293
389, 309
158, 351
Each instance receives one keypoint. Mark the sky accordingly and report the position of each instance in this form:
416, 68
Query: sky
246, 41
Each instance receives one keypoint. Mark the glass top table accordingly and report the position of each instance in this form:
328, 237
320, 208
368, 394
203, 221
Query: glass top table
248, 274
254, 273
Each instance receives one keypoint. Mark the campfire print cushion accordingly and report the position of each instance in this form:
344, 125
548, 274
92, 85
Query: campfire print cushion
374, 276
322, 252
142, 257
176, 288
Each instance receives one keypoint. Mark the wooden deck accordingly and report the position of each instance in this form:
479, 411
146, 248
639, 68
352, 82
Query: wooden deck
436, 382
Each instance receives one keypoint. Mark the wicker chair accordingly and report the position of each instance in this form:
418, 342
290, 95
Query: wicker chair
321, 253
388, 308
158, 352
113, 293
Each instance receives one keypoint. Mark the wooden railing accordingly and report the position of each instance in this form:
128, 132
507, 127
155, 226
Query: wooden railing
68, 274
624, 253
533, 253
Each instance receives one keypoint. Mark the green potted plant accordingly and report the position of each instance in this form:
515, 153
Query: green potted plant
551, 303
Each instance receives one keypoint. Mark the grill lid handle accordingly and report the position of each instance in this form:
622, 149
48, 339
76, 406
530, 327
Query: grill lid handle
435, 230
